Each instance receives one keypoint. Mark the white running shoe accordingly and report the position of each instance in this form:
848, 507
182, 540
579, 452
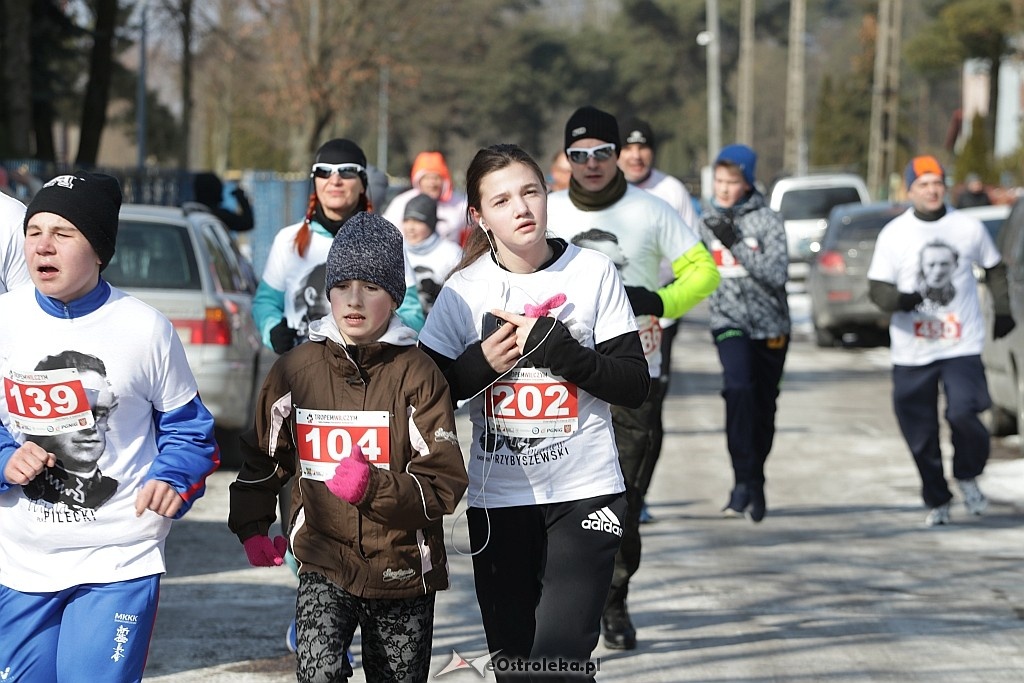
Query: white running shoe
938, 516
974, 500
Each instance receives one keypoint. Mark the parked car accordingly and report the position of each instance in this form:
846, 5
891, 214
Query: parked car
837, 281
183, 262
1004, 358
991, 216
805, 203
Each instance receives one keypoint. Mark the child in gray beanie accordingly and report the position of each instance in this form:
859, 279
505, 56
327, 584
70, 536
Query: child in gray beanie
374, 446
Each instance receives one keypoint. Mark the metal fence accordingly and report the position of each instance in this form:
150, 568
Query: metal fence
277, 199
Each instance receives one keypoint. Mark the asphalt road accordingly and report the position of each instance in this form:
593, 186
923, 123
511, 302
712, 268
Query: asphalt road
841, 582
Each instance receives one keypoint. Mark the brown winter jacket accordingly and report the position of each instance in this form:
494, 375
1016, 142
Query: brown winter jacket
390, 544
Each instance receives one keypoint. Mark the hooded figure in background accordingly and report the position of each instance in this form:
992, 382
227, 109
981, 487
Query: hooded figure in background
209, 190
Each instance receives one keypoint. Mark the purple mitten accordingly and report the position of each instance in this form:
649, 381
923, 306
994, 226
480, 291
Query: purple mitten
262, 552
543, 308
351, 477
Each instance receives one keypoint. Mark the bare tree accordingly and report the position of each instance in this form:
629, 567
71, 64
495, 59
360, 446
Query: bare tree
17, 76
97, 91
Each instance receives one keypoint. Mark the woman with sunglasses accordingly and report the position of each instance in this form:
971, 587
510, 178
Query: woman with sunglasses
339, 191
538, 337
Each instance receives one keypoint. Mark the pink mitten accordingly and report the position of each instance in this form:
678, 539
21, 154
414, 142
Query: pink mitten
351, 477
543, 308
262, 552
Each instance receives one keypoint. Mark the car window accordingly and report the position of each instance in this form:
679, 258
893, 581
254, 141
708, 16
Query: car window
815, 203
153, 256
222, 261
865, 229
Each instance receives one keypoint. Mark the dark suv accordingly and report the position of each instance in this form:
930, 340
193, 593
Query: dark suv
837, 281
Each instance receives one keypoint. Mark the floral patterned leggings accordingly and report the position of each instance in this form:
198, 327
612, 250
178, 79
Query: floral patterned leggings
396, 634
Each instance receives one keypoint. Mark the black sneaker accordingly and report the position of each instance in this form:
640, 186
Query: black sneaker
758, 506
739, 501
617, 628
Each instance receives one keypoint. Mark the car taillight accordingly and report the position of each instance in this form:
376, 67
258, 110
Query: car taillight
831, 263
214, 328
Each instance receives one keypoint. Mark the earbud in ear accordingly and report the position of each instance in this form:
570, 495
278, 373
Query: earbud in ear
482, 226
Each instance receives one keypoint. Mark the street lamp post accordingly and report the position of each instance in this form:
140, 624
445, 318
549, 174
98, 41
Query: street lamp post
709, 39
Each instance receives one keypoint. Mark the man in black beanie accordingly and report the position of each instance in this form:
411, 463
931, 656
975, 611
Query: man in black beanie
648, 231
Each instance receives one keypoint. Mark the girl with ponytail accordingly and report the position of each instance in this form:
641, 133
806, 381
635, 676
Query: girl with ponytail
291, 291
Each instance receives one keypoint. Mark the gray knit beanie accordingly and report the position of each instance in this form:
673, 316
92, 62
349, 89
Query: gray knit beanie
368, 248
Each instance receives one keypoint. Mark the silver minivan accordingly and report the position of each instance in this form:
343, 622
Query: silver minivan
805, 203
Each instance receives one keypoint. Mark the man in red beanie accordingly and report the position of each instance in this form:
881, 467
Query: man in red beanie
430, 176
921, 272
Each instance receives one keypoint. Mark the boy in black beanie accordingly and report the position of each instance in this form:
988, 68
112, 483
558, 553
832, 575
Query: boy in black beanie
103, 441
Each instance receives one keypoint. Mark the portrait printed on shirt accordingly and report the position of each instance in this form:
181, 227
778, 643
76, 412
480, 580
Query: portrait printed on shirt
76, 480
311, 302
603, 241
938, 262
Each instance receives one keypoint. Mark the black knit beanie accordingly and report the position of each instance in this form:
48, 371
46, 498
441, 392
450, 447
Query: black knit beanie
89, 201
591, 122
342, 151
636, 131
368, 248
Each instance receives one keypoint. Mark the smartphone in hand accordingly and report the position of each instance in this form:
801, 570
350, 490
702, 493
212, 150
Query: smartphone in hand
490, 325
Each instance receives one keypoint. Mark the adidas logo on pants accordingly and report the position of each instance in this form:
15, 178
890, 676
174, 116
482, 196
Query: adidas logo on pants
603, 520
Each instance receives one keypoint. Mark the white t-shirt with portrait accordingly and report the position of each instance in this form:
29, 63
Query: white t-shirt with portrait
934, 258
48, 546
545, 442
648, 231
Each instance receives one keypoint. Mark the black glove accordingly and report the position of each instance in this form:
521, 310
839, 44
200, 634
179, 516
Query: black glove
282, 337
644, 301
1003, 326
908, 302
724, 229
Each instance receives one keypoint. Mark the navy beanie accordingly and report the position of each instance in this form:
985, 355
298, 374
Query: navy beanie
742, 157
591, 122
368, 248
89, 201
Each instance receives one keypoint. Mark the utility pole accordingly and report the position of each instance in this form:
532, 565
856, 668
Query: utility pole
884, 99
794, 157
140, 95
383, 100
712, 40
745, 95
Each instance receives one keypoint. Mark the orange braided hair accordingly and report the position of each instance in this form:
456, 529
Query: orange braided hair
304, 236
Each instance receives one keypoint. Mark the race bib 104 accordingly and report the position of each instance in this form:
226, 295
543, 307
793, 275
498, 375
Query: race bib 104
531, 403
326, 436
47, 402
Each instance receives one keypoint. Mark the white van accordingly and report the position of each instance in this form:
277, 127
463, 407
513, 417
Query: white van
805, 202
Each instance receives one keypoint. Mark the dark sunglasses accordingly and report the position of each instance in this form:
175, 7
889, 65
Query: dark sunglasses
346, 171
579, 155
